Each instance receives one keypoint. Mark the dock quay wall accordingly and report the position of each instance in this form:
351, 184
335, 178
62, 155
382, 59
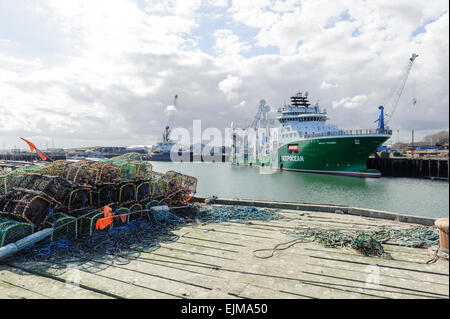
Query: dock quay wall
411, 167
29, 157
342, 209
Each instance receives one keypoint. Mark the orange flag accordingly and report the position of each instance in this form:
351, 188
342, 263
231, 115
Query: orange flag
107, 211
42, 156
107, 220
33, 147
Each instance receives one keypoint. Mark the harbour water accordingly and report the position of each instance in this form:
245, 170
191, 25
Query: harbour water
419, 197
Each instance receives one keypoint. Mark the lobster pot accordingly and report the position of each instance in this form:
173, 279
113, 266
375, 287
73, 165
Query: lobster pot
10, 180
52, 186
144, 170
179, 188
106, 194
70, 171
79, 199
117, 222
27, 207
131, 170
108, 172
135, 208
173, 180
12, 231
128, 171
189, 184
158, 186
35, 182
57, 168
85, 174
127, 192
143, 191
128, 157
34, 209
66, 226
87, 223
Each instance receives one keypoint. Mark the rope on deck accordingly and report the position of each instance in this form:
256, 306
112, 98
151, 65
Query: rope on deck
369, 244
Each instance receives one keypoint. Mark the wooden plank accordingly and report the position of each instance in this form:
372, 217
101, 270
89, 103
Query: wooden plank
296, 286
290, 254
219, 280
139, 273
292, 286
97, 281
215, 286
343, 218
404, 278
13, 291
183, 245
439, 269
402, 261
197, 251
417, 255
255, 267
45, 287
172, 261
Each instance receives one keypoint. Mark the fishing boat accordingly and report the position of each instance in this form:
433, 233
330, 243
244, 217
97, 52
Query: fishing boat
304, 142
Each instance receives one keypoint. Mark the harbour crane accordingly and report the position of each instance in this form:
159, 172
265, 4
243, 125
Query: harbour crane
261, 114
171, 120
396, 97
261, 119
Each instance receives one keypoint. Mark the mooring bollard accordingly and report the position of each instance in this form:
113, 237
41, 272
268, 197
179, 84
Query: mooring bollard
442, 225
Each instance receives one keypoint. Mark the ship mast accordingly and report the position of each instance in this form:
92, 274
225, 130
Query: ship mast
299, 100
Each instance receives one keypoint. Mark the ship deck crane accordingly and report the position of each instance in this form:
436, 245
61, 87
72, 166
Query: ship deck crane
396, 97
261, 114
261, 118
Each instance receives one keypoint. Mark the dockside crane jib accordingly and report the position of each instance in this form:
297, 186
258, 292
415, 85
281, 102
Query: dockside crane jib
396, 97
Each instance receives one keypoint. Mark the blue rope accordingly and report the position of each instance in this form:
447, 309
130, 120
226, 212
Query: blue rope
166, 218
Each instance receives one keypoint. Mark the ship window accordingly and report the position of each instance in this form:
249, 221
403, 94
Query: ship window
357, 141
292, 148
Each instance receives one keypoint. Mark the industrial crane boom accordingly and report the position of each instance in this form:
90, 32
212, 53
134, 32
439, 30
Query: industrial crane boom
399, 91
261, 114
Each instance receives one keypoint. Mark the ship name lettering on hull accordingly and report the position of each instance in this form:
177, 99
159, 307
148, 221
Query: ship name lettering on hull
292, 158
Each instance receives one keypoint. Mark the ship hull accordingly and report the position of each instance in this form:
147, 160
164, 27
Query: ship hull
161, 157
337, 155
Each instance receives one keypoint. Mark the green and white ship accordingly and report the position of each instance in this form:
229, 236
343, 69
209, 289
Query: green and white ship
303, 142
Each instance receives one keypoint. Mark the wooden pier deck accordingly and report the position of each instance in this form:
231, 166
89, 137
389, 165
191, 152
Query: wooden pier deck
214, 261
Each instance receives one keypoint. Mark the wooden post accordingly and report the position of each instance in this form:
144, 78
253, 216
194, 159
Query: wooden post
438, 166
429, 167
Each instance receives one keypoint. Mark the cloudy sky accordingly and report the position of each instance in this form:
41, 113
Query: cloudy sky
83, 73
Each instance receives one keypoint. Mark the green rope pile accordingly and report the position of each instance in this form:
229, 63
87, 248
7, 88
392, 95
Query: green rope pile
218, 214
370, 243
369, 246
417, 237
